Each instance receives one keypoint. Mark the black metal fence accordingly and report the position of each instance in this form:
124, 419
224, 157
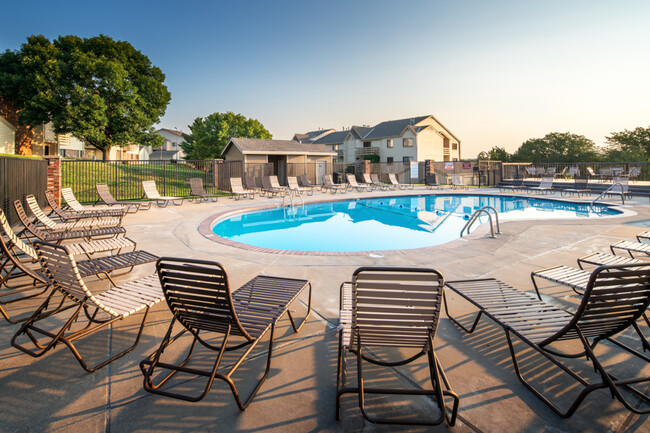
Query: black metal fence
584, 169
20, 177
124, 178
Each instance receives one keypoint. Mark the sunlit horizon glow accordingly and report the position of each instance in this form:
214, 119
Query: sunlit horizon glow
494, 73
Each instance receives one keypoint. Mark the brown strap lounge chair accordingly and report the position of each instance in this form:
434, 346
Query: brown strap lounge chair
200, 299
196, 190
292, 183
614, 298
580, 187
373, 179
74, 205
130, 206
303, 181
392, 178
268, 186
251, 184
517, 185
69, 215
352, 183
431, 182
328, 185
86, 234
151, 192
95, 310
19, 260
237, 189
392, 308
78, 224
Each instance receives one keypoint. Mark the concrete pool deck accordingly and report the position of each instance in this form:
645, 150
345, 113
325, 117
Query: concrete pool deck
53, 393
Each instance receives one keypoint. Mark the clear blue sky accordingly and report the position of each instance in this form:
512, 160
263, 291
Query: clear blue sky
494, 72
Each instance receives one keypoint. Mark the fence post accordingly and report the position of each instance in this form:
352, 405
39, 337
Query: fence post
365, 167
54, 175
217, 164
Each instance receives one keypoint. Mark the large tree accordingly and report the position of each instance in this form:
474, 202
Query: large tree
557, 147
102, 91
495, 154
629, 145
209, 136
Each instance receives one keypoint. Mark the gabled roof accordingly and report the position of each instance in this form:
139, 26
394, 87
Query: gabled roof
332, 138
392, 128
359, 131
311, 135
6, 123
255, 146
172, 131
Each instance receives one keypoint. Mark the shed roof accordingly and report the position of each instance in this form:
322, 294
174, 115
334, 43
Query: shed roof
252, 146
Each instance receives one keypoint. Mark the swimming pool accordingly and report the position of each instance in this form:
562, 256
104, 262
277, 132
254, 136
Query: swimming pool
387, 223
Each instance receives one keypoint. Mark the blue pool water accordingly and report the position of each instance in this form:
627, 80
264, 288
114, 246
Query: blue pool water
386, 223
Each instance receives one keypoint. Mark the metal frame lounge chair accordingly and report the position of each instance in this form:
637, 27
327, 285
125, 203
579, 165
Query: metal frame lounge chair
573, 171
545, 186
18, 259
268, 187
251, 184
631, 248
199, 296
517, 185
457, 182
352, 183
237, 189
303, 181
86, 234
620, 186
431, 182
604, 259
614, 298
105, 195
68, 215
328, 185
634, 173
373, 179
392, 178
643, 237
118, 302
293, 186
580, 187
392, 308
72, 203
197, 191
151, 192
530, 170
77, 224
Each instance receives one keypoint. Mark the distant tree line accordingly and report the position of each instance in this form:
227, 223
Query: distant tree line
624, 146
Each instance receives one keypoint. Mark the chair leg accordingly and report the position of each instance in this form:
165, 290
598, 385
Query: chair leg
453, 319
304, 320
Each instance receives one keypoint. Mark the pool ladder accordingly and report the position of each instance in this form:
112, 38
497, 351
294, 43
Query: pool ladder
608, 191
476, 214
290, 193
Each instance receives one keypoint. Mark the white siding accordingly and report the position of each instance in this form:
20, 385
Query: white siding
7, 137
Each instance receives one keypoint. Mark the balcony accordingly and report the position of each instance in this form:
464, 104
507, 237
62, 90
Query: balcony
363, 151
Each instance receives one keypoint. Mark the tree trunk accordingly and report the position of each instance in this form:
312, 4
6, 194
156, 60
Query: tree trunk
104, 153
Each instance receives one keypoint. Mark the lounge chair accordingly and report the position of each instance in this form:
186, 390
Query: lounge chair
373, 179
68, 215
614, 298
86, 234
634, 173
304, 182
386, 308
530, 171
643, 237
580, 187
74, 205
196, 190
457, 182
269, 188
251, 185
328, 185
393, 181
631, 248
19, 259
591, 173
551, 171
78, 224
237, 189
545, 186
517, 185
431, 182
131, 206
573, 171
604, 259
200, 299
151, 192
293, 186
117, 303
620, 186
352, 183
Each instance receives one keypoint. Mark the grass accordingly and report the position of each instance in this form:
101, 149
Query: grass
124, 178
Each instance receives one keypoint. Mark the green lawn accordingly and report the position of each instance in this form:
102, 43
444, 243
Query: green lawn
124, 177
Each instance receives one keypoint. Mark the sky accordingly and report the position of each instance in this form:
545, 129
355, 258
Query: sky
495, 73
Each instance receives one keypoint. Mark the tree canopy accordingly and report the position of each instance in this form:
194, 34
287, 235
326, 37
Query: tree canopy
557, 147
209, 136
104, 92
495, 154
629, 145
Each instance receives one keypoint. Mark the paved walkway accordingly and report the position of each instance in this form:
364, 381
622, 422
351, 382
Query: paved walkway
53, 393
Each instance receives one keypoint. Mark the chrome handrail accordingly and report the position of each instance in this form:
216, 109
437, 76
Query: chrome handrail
476, 214
607, 190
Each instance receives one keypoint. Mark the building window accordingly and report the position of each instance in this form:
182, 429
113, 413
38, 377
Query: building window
407, 142
366, 144
389, 159
406, 159
454, 146
389, 143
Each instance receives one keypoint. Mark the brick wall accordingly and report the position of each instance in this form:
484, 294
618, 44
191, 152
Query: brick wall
54, 175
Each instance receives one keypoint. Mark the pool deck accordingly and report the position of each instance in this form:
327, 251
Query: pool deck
53, 393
